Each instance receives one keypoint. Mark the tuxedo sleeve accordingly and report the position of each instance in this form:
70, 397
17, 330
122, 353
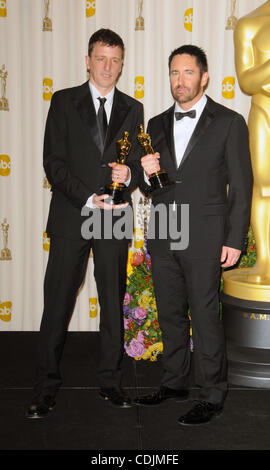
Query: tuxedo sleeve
240, 181
55, 155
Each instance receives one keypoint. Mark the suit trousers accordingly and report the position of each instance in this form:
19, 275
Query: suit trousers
182, 283
65, 273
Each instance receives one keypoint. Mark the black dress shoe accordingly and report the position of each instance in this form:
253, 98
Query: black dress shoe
164, 393
115, 397
201, 413
41, 407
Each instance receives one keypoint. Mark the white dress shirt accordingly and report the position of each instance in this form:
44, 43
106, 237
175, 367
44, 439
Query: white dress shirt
183, 129
109, 100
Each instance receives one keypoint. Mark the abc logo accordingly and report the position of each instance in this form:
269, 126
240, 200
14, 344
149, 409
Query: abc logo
3, 8
47, 89
188, 19
228, 88
5, 311
93, 311
46, 242
138, 238
90, 8
139, 87
4, 165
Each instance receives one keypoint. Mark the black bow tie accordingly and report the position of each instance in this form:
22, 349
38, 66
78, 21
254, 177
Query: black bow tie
191, 114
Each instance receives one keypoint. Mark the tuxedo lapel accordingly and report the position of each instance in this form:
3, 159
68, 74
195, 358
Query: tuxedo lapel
205, 120
119, 112
168, 128
86, 109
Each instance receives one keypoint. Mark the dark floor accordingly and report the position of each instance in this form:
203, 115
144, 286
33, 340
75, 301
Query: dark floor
82, 421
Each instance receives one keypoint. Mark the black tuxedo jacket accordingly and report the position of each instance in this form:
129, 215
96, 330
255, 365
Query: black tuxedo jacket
214, 178
75, 160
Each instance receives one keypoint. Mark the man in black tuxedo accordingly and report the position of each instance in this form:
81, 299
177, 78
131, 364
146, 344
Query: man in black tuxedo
82, 128
205, 152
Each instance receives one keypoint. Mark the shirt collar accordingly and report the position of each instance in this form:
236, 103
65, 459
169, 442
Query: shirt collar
197, 106
96, 94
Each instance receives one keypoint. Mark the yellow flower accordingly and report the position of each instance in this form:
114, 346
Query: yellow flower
129, 265
145, 299
138, 238
152, 352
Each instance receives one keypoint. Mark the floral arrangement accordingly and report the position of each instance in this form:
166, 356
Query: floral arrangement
142, 332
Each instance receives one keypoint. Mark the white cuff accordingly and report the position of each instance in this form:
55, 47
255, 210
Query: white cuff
128, 181
146, 179
89, 202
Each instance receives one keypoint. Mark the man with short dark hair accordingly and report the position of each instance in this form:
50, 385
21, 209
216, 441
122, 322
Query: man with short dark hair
204, 148
194, 51
83, 125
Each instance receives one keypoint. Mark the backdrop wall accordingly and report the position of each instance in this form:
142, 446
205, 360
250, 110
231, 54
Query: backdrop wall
34, 63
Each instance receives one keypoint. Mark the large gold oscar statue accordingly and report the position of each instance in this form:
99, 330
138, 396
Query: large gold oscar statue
246, 293
252, 57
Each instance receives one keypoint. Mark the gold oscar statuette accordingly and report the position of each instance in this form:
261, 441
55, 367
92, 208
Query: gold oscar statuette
114, 189
47, 22
232, 20
160, 179
140, 20
5, 252
252, 58
3, 99
246, 291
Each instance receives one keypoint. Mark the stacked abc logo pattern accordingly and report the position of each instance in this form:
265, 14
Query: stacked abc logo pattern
5, 165
46, 242
188, 19
5, 311
47, 89
93, 307
90, 8
228, 88
139, 87
3, 8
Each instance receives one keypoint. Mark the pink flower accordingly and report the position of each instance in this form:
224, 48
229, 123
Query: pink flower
127, 298
139, 313
135, 348
140, 336
126, 323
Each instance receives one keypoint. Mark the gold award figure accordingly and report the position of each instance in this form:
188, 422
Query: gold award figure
3, 99
116, 190
160, 179
5, 253
252, 57
232, 20
47, 22
140, 20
